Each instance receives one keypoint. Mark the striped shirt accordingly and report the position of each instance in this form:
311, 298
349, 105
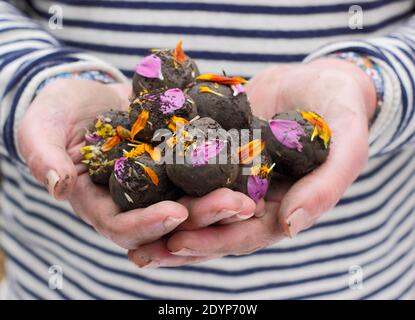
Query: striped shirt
362, 249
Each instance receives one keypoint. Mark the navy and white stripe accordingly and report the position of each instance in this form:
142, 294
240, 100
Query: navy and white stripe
373, 226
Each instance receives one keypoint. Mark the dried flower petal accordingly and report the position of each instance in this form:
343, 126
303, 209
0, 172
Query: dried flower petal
172, 100
178, 53
119, 168
237, 89
150, 172
248, 152
92, 137
262, 170
140, 123
321, 128
150, 67
221, 79
174, 122
136, 152
110, 143
201, 154
209, 90
123, 133
153, 152
287, 132
257, 187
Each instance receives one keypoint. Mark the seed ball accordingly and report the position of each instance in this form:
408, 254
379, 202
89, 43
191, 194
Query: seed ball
203, 161
294, 143
161, 70
220, 103
140, 182
160, 107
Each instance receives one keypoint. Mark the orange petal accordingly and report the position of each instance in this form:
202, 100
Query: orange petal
248, 152
220, 79
123, 132
154, 153
140, 123
178, 53
175, 122
209, 90
110, 143
151, 174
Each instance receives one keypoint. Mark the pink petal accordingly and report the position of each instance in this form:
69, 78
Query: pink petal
288, 132
171, 100
119, 169
201, 155
150, 67
237, 89
257, 187
92, 137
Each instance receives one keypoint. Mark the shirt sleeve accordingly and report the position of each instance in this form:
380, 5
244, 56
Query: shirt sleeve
29, 55
394, 126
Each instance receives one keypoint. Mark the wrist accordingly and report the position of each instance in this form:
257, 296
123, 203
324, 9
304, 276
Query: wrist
364, 82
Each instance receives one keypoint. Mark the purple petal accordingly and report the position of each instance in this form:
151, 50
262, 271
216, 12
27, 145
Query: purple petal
237, 89
150, 67
171, 100
119, 169
288, 132
92, 137
201, 155
257, 187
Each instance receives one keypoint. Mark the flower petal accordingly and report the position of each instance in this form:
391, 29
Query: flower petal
172, 100
174, 122
150, 173
237, 89
92, 137
257, 187
221, 79
178, 53
150, 67
201, 154
119, 168
248, 152
321, 128
110, 143
287, 132
140, 123
209, 90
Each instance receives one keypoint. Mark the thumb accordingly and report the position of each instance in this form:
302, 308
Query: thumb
320, 190
42, 143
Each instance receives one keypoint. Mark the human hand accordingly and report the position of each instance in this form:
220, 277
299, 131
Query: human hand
345, 97
59, 115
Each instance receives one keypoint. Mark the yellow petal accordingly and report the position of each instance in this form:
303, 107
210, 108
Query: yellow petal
174, 122
136, 152
321, 128
154, 153
209, 90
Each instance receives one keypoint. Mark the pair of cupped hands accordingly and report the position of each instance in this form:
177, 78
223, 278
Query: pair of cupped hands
223, 222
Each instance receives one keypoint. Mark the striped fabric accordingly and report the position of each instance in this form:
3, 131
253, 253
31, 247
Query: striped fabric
373, 227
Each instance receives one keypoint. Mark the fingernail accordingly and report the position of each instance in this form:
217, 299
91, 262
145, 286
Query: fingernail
184, 252
170, 223
298, 221
52, 179
244, 216
142, 261
225, 213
